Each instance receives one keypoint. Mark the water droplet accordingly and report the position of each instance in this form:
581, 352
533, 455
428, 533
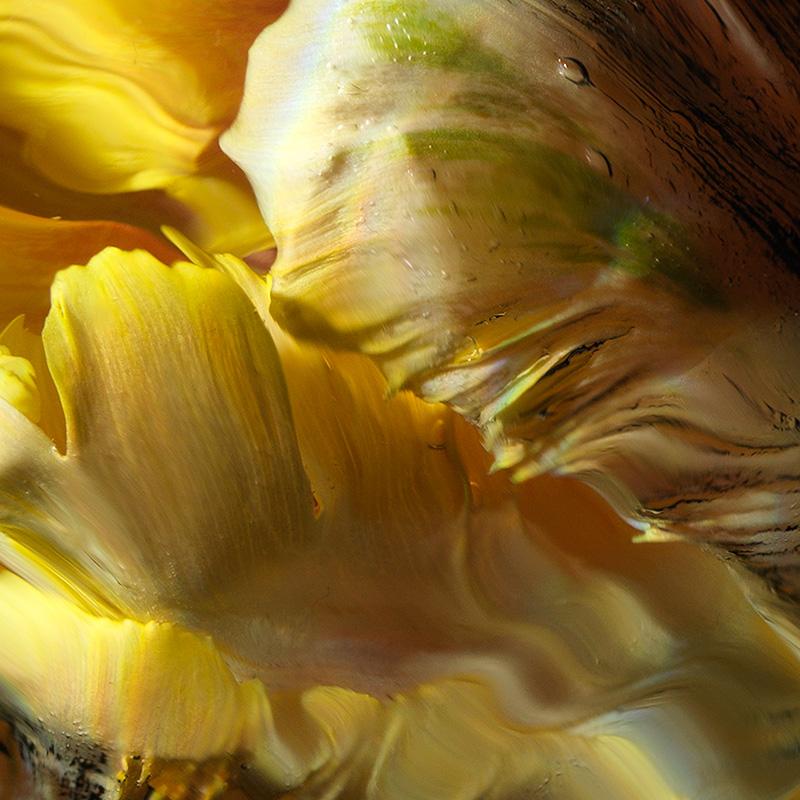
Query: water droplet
573, 70
473, 349
599, 161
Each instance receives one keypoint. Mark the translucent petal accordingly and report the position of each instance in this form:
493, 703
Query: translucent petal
94, 695
181, 464
18, 383
33, 249
483, 197
137, 94
384, 468
27, 345
116, 704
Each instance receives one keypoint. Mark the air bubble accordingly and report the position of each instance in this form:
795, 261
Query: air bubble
599, 161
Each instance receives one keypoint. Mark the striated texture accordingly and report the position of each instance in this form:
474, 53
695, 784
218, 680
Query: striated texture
332, 610
573, 223
235, 565
144, 366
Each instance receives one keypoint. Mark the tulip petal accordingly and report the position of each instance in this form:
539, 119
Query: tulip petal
153, 86
181, 463
33, 249
422, 568
386, 470
452, 194
406, 516
18, 383
222, 212
95, 698
124, 706
137, 94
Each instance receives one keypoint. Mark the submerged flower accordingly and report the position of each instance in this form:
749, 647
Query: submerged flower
237, 564
588, 247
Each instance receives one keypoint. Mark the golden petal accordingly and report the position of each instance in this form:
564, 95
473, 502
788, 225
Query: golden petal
138, 95
384, 468
25, 344
33, 249
94, 696
18, 381
432, 634
117, 705
181, 479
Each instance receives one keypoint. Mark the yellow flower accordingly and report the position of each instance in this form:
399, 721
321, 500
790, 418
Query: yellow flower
227, 580
236, 564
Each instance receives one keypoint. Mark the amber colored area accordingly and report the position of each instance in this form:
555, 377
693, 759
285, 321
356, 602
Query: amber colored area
112, 109
580, 524
213, 35
25, 189
33, 249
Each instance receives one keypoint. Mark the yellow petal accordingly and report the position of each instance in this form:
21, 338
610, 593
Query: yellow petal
576, 609
464, 652
386, 470
153, 84
223, 214
23, 343
182, 479
46, 533
468, 653
118, 694
24, 188
104, 702
18, 381
138, 94
33, 249
453, 196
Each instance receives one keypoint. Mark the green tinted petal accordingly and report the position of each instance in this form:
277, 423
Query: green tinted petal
484, 198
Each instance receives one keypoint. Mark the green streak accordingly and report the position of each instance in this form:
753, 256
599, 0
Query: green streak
415, 31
